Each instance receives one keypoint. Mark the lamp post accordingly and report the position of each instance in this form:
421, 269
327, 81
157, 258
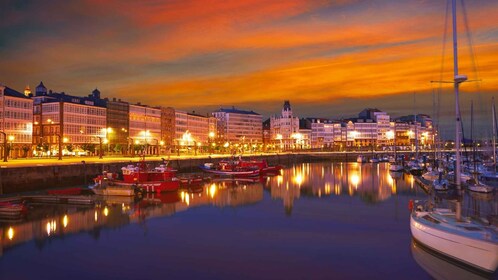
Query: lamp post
100, 147
4, 146
210, 137
160, 149
108, 131
11, 140
60, 146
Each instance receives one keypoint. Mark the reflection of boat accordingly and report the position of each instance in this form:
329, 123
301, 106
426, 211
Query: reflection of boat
245, 180
229, 168
395, 175
169, 197
137, 178
12, 210
440, 267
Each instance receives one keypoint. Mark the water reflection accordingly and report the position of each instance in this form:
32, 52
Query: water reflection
44, 222
372, 182
439, 267
369, 184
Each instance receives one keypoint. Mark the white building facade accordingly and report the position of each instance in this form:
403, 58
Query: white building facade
284, 129
16, 116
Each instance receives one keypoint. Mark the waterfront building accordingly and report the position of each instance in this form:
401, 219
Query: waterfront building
239, 129
322, 132
267, 145
16, 127
194, 131
417, 130
144, 129
284, 129
168, 127
66, 124
118, 120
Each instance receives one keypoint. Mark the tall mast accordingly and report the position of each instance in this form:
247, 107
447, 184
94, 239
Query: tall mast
457, 80
494, 135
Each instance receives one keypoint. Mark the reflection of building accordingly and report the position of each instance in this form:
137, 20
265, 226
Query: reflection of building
16, 121
225, 193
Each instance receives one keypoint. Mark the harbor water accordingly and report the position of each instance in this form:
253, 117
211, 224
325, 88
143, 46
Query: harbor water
314, 221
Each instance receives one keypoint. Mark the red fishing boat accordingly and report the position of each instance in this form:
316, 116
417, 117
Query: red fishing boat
230, 168
262, 165
137, 178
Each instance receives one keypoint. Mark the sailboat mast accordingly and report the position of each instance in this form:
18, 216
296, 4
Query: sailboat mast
494, 135
457, 104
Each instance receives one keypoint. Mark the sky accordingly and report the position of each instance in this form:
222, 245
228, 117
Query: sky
329, 58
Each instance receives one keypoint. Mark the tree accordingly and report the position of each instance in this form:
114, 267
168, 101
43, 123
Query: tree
25, 149
70, 148
88, 147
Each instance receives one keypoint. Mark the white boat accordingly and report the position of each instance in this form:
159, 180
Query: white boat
440, 184
361, 159
446, 231
480, 187
394, 167
440, 267
374, 160
466, 241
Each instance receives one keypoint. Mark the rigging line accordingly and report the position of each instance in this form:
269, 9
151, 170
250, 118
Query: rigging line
443, 54
473, 55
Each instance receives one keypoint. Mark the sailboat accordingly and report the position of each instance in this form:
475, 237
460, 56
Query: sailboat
490, 177
395, 166
444, 230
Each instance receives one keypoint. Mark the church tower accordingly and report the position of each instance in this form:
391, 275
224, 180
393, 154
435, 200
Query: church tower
27, 91
40, 90
287, 111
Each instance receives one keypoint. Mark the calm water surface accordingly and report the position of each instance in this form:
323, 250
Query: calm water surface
315, 221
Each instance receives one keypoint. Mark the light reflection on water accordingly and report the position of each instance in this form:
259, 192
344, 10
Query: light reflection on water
344, 200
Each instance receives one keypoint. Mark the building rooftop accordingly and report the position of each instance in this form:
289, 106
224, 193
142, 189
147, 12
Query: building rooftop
14, 93
237, 111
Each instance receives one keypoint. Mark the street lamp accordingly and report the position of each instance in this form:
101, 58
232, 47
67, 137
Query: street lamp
162, 146
107, 136
60, 146
11, 139
100, 147
4, 146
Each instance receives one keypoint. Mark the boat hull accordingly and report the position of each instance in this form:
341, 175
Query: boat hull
114, 191
245, 173
477, 253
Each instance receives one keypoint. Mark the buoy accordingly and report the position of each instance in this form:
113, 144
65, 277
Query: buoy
410, 205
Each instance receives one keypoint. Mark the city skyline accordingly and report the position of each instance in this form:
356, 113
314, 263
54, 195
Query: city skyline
330, 59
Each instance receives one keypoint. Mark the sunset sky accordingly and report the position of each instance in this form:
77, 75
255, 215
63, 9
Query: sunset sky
329, 58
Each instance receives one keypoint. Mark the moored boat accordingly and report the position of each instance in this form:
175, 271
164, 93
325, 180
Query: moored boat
264, 168
136, 179
464, 240
226, 168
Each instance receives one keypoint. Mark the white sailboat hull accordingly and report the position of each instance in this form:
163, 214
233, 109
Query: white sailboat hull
396, 167
479, 253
